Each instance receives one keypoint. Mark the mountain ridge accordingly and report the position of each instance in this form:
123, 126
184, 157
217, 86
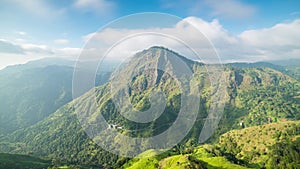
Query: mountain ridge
61, 135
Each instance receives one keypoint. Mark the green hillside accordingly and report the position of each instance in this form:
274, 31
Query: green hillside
271, 145
32, 91
254, 96
200, 158
268, 146
14, 161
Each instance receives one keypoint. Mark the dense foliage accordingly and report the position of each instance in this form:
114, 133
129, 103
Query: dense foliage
31, 92
273, 145
256, 96
15, 161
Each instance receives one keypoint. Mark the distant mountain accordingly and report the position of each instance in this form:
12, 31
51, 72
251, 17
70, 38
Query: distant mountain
290, 62
28, 96
255, 95
252, 65
289, 67
30, 92
281, 63
40, 63
108, 65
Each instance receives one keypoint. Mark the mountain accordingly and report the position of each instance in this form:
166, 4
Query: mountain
28, 96
32, 91
61, 131
289, 67
289, 62
256, 95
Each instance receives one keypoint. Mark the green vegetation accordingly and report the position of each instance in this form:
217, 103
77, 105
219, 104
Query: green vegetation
200, 158
31, 92
15, 161
263, 103
271, 145
270, 104
60, 138
293, 71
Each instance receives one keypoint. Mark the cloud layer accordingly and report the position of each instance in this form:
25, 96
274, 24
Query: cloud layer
278, 42
61, 41
21, 52
8, 47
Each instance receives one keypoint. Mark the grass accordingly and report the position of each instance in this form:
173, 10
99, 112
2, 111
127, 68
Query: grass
214, 162
221, 162
200, 158
176, 162
145, 163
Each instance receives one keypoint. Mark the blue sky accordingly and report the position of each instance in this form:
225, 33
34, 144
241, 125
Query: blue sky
60, 24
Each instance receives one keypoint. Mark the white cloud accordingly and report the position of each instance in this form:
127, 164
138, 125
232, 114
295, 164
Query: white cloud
22, 47
212, 30
34, 49
278, 42
280, 35
22, 33
20, 40
61, 41
133, 40
68, 52
9, 47
7, 59
96, 6
20, 52
46, 51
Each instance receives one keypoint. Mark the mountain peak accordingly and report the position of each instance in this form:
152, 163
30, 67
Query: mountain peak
159, 48
161, 53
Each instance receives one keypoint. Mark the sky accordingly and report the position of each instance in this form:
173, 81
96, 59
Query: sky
239, 30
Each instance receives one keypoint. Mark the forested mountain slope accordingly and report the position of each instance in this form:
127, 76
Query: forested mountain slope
29, 95
32, 91
254, 96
